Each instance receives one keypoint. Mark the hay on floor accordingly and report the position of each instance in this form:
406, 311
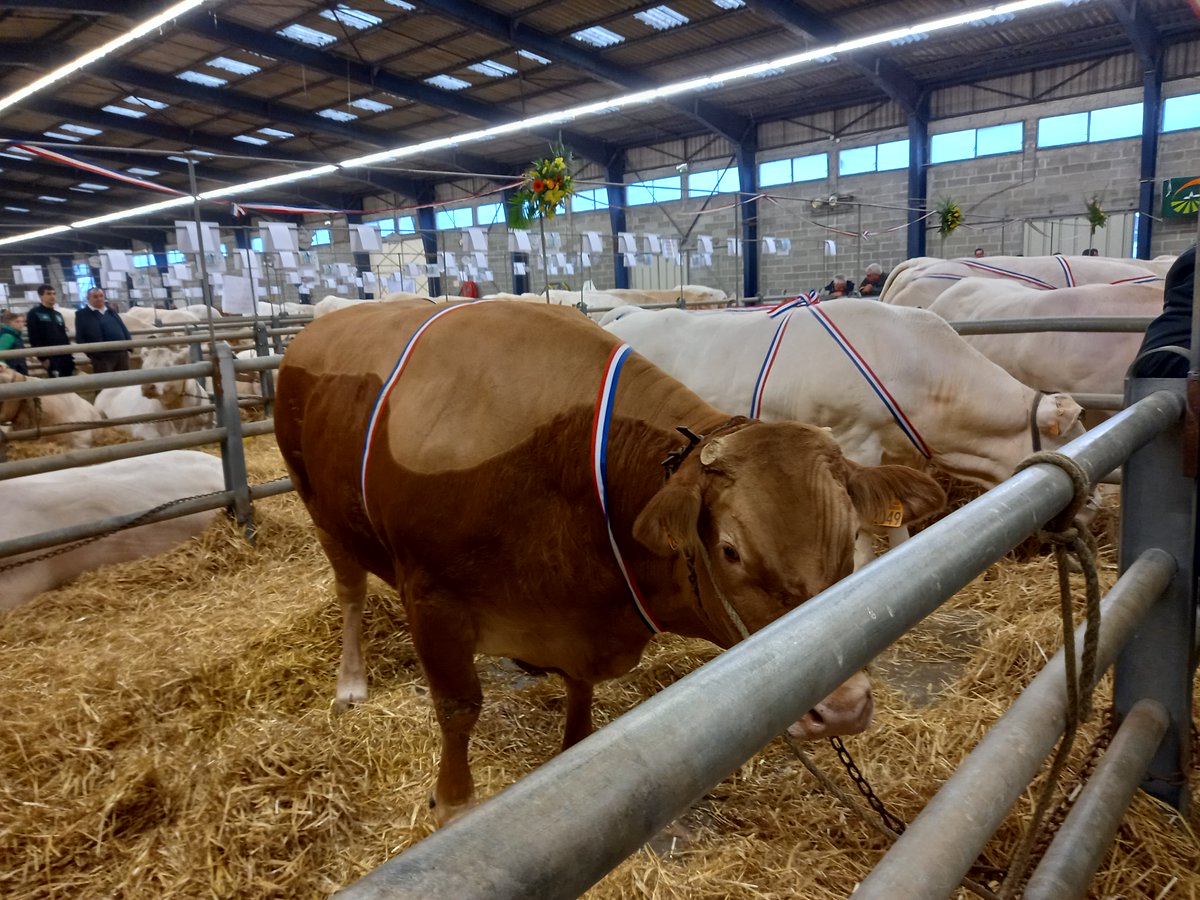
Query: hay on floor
167, 732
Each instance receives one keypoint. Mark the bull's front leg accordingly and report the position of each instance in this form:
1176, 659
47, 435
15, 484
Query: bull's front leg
579, 711
446, 648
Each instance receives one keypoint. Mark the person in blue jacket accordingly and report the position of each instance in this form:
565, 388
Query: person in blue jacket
98, 322
1173, 327
47, 328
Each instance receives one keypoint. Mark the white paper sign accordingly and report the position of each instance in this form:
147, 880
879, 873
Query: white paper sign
652, 243
592, 241
768, 245
733, 246
365, 239
279, 237
28, 275
185, 236
631, 260
627, 242
830, 247
585, 260
705, 244
519, 241
475, 239
116, 260
518, 268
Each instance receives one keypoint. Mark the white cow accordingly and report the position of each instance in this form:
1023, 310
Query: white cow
930, 394
157, 397
53, 409
919, 281
1071, 361
54, 500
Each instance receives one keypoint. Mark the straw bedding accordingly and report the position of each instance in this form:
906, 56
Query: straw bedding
167, 732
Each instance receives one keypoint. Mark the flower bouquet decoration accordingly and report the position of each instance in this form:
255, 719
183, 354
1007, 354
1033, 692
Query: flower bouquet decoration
949, 217
547, 188
1097, 218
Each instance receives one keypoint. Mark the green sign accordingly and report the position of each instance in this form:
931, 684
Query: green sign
1180, 197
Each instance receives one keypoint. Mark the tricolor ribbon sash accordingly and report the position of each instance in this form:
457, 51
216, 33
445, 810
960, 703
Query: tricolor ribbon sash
601, 421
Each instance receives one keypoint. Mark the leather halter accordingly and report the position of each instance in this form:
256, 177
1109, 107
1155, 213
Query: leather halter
1033, 426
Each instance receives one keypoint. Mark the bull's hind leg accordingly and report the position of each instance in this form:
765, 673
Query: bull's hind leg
579, 711
445, 645
351, 584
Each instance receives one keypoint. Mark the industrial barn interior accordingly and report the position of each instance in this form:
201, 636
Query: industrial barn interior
456, 329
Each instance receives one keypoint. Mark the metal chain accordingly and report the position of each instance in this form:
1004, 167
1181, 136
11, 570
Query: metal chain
864, 787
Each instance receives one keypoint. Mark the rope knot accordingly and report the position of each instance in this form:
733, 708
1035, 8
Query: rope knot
1064, 521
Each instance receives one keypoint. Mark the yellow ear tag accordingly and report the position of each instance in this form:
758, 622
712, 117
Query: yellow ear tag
893, 517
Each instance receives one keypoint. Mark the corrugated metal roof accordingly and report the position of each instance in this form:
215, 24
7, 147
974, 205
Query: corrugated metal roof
390, 62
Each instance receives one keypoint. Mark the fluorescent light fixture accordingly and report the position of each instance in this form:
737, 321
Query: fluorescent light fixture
179, 159
492, 69
275, 132
448, 82
14, 153
351, 18
17, 209
87, 185
50, 198
338, 115
237, 67
201, 78
303, 35
122, 111
371, 105
79, 129
661, 18
138, 170
136, 211
268, 182
80, 190
151, 24
598, 37
45, 232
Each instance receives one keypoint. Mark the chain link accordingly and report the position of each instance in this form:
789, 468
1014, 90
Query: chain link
864, 787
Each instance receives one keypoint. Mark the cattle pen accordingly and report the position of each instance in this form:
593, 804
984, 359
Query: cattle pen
564, 826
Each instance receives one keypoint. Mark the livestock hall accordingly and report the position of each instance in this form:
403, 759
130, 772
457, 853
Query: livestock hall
639, 450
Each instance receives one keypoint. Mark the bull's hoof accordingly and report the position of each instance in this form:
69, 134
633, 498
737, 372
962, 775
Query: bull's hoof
445, 813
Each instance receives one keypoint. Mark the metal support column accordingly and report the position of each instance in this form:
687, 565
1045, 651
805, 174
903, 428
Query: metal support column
918, 178
233, 454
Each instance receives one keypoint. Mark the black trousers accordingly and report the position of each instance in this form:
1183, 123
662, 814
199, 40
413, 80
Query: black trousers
59, 366
109, 361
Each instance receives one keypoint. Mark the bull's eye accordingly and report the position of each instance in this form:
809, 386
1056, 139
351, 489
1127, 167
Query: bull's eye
731, 555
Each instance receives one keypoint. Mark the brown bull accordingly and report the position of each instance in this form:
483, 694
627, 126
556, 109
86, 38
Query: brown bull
502, 465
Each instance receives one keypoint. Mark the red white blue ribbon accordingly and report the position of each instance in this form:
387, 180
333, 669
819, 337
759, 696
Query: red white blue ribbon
600, 428
783, 312
1010, 273
386, 390
95, 169
893, 407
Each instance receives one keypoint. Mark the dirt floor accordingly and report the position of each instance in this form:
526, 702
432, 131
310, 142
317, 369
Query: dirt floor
167, 732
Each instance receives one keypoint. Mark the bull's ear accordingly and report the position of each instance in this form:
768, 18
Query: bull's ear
668, 523
1057, 414
893, 495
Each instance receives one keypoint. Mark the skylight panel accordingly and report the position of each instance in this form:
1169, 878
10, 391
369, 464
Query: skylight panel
146, 173
17, 209
338, 115
492, 68
351, 18
529, 54
59, 136
771, 73
250, 139
201, 78
992, 20
123, 111
909, 38
729, 4
448, 82
88, 186
81, 190
661, 18
370, 105
145, 101
598, 36
275, 132
52, 199
78, 129
303, 35
180, 159
15, 153
403, 4
235, 66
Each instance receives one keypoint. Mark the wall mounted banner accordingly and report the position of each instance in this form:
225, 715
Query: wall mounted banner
1180, 197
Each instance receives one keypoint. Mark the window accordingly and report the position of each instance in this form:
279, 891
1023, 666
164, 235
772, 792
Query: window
256, 244
175, 257
83, 278
892, 155
320, 236
658, 190
490, 214
1106, 124
715, 181
972, 142
453, 218
1178, 112
589, 201
799, 168
857, 160
143, 260
388, 226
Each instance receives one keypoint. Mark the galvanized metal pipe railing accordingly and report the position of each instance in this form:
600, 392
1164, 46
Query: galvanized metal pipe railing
939, 847
74, 458
560, 829
1083, 839
75, 383
1063, 323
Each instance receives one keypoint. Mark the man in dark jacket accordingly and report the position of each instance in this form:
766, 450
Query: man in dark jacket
1174, 326
11, 324
96, 322
47, 328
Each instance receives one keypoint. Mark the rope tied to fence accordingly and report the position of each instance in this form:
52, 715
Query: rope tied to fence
1069, 541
